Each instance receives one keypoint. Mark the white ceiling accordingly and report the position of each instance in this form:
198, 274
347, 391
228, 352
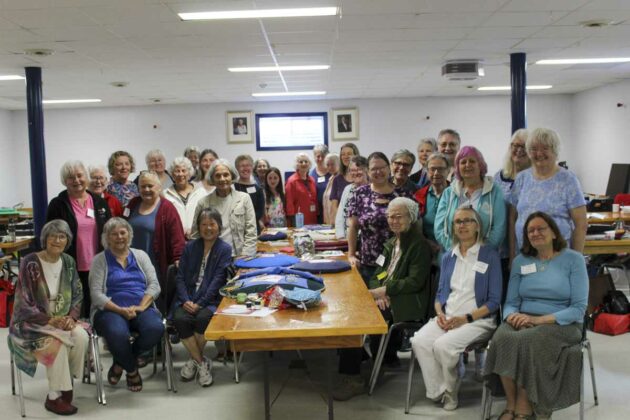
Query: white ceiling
376, 48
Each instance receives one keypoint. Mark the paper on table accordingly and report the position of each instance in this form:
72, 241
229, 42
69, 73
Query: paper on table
242, 310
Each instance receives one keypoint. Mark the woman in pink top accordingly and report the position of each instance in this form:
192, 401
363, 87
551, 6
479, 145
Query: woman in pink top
85, 213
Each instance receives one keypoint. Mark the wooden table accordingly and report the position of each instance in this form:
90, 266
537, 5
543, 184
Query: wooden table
595, 247
17, 246
608, 217
347, 313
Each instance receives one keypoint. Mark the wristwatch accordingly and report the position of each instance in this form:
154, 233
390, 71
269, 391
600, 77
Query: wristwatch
469, 318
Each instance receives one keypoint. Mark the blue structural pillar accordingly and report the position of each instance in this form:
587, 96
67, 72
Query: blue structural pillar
35, 112
518, 79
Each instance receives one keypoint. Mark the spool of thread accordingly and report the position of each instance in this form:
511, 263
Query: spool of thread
241, 298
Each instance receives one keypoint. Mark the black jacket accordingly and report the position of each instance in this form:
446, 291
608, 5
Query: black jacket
60, 208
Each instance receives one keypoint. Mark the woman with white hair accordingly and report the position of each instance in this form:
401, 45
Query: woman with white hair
157, 230
321, 176
332, 165
192, 154
516, 160
183, 193
549, 188
86, 214
468, 296
98, 186
156, 162
426, 148
301, 192
236, 209
400, 287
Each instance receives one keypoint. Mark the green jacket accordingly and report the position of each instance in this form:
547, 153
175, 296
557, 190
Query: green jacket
408, 287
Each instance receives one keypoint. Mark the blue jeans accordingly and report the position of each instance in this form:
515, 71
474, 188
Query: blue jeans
116, 330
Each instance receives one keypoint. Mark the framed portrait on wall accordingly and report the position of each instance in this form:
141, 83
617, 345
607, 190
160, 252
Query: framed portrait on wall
345, 123
240, 127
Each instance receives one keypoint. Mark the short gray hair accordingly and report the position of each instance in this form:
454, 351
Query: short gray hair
438, 155
545, 137
302, 155
321, 148
149, 174
191, 149
184, 162
69, 168
476, 216
115, 223
334, 157
55, 227
404, 153
221, 162
409, 204
154, 153
428, 140
94, 168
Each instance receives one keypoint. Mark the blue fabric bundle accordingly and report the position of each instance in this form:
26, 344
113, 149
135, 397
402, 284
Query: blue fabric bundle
258, 281
322, 266
266, 260
267, 237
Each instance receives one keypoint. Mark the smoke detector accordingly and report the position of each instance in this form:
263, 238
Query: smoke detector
464, 69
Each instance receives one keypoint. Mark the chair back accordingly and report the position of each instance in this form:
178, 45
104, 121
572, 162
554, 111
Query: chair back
622, 199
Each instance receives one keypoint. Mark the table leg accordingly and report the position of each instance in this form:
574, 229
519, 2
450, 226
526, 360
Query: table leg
266, 382
330, 356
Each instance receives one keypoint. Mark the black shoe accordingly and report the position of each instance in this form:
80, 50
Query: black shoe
174, 338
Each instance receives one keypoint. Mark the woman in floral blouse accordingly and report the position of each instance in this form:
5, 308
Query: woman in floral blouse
274, 199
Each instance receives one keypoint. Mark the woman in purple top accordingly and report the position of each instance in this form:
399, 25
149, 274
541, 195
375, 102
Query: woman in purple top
344, 178
367, 214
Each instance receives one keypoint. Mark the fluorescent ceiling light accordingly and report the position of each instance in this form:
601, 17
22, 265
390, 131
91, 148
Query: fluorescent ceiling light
69, 101
530, 87
261, 13
277, 68
259, 95
11, 77
586, 60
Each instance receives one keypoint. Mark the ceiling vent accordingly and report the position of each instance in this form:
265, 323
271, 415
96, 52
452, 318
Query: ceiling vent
462, 69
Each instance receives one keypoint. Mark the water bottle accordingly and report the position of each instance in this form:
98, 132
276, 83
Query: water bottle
11, 230
299, 219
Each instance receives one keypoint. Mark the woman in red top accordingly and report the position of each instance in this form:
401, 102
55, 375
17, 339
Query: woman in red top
301, 194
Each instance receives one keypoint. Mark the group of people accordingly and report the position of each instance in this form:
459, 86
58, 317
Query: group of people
109, 245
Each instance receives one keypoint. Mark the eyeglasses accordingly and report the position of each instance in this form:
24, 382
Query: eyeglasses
403, 164
378, 169
534, 230
517, 146
536, 149
452, 145
432, 169
59, 237
395, 217
466, 221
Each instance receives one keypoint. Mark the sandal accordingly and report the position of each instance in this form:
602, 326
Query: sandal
141, 362
134, 382
112, 377
506, 412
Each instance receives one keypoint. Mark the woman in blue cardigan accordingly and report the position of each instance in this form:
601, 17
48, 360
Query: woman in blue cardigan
202, 272
468, 295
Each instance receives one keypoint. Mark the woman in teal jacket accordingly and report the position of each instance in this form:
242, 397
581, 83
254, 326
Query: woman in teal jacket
474, 188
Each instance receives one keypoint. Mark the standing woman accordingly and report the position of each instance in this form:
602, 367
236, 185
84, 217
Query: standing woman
246, 183
235, 207
157, 230
345, 154
549, 188
192, 154
156, 162
202, 272
183, 193
97, 186
359, 171
472, 187
516, 160
332, 165
261, 166
206, 158
321, 176
274, 199
426, 148
402, 162
367, 213
469, 294
86, 214
44, 325
120, 166
301, 192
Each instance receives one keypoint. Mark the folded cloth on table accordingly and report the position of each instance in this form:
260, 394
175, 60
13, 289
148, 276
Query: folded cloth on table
340, 244
322, 266
277, 236
258, 281
266, 260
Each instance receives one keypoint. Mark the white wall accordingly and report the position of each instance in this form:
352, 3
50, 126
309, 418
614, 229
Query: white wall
601, 133
385, 124
8, 192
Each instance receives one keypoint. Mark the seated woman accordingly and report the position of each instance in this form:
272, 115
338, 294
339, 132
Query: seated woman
400, 288
543, 315
44, 327
202, 272
123, 286
468, 295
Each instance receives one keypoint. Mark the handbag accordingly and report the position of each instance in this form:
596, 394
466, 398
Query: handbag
611, 324
7, 295
616, 302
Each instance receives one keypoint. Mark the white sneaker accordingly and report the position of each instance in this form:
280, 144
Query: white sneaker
189, 370
204, 374
450, 400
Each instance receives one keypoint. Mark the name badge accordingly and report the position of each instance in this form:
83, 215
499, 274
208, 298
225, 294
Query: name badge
380, 260
313, 208
321, 179
480, 267
126, 212
381, 275
90, 213
251, 190
528, 269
